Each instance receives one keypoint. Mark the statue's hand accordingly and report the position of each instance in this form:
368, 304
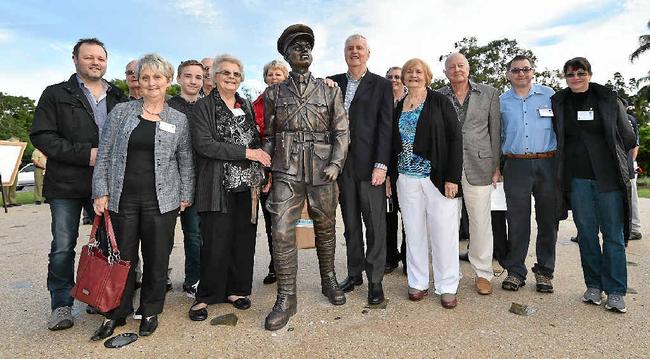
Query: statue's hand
331, 172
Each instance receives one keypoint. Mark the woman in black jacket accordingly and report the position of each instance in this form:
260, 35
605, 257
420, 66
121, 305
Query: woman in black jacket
228, 158
594, 136
427, 160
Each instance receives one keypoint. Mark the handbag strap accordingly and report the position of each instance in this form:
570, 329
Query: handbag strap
108, 225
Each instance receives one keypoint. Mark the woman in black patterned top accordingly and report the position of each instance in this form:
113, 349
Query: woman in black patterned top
228, 162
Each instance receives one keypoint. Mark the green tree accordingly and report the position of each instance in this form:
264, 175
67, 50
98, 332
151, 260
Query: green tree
121, 84
488, 63
16, 115
644, 45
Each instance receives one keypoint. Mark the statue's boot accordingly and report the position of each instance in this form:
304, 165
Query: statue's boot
285, 306
325, 248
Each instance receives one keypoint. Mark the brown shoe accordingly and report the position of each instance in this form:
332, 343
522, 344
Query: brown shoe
483, 286
416, 294
448, 300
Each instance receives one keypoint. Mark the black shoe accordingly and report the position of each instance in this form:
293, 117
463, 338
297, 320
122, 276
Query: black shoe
91, 310
38, 202
330, 289
138, 285
17, 204
375, 293
270, 278
285, 306
349, 283
390, 267
404, 267
241, 303
148, 326
169, 286
635, 236
198, 315
106, 329
86, 221
574, 239
464, 256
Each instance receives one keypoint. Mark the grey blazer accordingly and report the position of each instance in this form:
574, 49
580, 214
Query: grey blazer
481, 134
174, 170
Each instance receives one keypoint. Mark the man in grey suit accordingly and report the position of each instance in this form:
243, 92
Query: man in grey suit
477, 106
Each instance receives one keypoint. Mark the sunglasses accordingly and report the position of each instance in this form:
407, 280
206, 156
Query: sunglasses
516, 70
227, 73
129, 72
394, 77
570, 75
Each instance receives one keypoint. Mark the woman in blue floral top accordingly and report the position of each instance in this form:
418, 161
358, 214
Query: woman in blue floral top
427, 156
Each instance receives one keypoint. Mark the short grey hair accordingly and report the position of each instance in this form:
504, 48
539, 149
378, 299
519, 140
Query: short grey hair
156, 63
218, 60
356, 37
393, 68
454, 54
273, 65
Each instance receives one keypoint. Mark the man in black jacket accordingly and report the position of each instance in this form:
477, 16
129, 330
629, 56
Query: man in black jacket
67, 125
368, 99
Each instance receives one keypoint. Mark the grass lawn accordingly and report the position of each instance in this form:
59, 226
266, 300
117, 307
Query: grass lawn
644, 192
23, 197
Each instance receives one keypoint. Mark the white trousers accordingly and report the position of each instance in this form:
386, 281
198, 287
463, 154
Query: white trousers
478, 204
635, 215
430, 218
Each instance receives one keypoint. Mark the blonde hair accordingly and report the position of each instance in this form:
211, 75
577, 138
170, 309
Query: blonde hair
428, 75
156, 63
275, 65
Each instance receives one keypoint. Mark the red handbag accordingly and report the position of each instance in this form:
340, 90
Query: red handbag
100, 279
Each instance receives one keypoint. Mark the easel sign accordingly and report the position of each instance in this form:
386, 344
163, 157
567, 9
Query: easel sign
10, 155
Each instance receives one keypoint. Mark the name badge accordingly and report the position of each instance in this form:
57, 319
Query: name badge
238, 112
167, 127
585, 115
545, 112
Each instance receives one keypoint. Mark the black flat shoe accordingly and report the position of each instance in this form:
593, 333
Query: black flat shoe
198, 315
106, 329
349, 283
148, 326
242, 303
375, 293
464, 256
270, 278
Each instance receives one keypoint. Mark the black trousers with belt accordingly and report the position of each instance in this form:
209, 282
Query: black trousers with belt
361, 200
228, 251
139, 222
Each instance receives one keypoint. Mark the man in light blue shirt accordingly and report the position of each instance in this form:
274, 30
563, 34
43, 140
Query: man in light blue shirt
529, 147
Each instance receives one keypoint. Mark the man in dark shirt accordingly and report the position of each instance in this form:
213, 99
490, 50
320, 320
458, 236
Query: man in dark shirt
190, 78
67, 125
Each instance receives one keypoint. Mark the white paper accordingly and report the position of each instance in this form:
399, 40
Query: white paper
167, 127
498, 198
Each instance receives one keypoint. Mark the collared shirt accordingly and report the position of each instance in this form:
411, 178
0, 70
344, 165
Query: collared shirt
523, 130
100, 112
405, 92
351, 89
461, 108
300, 81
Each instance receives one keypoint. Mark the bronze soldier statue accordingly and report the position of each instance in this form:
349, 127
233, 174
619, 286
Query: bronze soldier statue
307, 136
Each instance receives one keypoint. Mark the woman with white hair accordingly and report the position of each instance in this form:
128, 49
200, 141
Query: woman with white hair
228, 161
144, 175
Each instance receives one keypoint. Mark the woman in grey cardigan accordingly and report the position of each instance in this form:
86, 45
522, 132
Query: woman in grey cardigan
144, 175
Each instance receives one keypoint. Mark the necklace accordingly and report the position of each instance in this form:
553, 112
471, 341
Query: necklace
413, 100
149, 112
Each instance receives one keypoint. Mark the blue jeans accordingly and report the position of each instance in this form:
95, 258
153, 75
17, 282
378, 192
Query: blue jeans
192, 244
65, 231
604, 268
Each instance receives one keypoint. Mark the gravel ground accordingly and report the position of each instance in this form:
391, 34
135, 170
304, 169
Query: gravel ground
480, 326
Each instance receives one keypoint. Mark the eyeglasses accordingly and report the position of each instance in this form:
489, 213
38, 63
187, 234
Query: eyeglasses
516, 70
570, 75
129, 72
227, 73
394, 77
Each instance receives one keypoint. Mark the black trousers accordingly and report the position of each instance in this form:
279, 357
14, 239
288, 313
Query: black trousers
393, 255
228, 251
139, 222
523, 177
268, 227
500, 236
360, 199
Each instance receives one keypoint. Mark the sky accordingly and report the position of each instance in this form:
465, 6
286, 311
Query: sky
37, 36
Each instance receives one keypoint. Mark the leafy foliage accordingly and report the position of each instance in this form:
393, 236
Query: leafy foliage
488, 63
16, 115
